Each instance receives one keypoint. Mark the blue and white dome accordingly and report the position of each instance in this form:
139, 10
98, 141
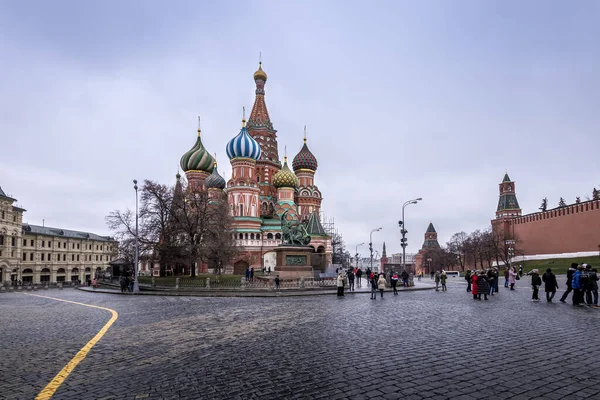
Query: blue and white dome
243, 145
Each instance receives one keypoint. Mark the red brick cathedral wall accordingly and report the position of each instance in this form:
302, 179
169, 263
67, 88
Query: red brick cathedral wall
570, 229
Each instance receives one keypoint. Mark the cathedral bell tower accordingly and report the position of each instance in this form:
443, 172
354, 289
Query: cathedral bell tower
261, 129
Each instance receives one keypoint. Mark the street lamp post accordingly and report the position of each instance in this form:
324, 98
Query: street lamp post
360, 244
403, 231
371, 244
136, 287
429, 265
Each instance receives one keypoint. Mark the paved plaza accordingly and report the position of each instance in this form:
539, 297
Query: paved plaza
417, 345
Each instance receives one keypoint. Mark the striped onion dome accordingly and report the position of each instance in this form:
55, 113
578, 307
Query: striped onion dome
305, 159
243, 145
285, 177
197, 158
214, 180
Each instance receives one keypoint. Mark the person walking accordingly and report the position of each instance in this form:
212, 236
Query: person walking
381, 284
358, 277
340, 284
404, 276
247, 274
474, 284
588, 283
594, 280
373, 283
468, 279
350, 280
577, 287
252, 274
437, 281
512, 278
491, 281
570, 273
536, 282
520, 271
550, 285
443, 278
506, 276
394, 282
277, 282
483, 286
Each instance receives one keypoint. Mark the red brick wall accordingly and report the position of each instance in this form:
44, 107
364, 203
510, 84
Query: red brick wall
570, 229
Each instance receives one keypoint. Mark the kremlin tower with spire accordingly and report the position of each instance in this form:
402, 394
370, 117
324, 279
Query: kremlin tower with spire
261, 189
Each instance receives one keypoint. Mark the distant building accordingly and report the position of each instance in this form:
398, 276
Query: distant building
38, 254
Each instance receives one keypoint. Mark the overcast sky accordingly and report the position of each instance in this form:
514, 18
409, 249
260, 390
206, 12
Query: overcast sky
431, 99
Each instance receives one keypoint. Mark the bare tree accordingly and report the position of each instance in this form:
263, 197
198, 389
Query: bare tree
595, 194
153, 223
219, 246
456, 246
544, 205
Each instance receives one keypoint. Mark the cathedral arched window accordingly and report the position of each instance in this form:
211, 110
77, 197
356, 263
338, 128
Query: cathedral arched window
269, 236
252, 236
278, 236
246, 236
241, 210
258, 236
241, 236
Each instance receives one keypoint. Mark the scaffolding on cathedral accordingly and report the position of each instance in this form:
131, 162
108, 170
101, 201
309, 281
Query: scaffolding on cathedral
339, 253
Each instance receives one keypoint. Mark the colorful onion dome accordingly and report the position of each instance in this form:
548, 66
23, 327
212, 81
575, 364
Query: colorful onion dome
197, 158
214, 180
243, 145
305, 159
285, 177
260, 74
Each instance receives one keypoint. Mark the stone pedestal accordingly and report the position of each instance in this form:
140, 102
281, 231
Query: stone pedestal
294, 262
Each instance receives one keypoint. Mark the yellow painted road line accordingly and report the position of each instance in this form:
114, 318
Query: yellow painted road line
51, 387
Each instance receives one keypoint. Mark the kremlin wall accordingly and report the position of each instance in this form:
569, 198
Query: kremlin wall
570, 229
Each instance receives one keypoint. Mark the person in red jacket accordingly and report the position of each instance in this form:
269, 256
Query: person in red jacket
474, 290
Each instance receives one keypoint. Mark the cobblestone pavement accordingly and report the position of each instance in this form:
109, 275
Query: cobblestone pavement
417, 345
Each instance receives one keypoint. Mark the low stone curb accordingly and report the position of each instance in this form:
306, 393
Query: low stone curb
246, 293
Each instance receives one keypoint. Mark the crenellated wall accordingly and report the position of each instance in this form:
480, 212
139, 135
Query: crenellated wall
570, 229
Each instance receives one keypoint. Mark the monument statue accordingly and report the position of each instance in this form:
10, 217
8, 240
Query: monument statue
293, 234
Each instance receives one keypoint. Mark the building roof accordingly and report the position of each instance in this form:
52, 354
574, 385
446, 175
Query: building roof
65, 233
430, 228
305, 159
2, 192
314, 227
506, 178
508, 202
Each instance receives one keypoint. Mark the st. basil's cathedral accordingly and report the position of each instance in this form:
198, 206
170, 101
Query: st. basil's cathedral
261, 189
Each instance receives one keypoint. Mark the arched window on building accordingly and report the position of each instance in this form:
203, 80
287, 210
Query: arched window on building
278, 236
246, 236
241, 210
269, 236
241, 236
252, 236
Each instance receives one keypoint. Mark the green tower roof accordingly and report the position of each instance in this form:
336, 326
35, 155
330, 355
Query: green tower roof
430, 228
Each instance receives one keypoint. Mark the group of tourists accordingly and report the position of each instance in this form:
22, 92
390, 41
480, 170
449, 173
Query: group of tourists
582, 280
440, 277
376, 282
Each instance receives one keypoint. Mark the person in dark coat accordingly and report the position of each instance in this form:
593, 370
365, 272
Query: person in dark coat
468, 279
536, 282
483, 287
570, 273
550, 284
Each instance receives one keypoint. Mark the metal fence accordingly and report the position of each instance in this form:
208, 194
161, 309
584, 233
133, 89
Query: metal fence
216, 283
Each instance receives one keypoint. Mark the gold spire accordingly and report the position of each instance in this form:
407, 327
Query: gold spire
215, 162
243, 117
304, 134
198, 125
260, 74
